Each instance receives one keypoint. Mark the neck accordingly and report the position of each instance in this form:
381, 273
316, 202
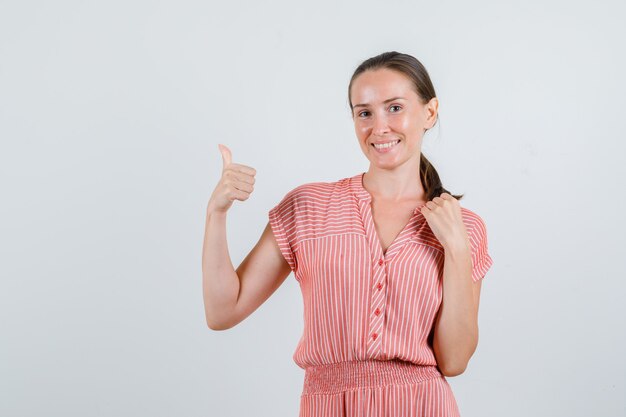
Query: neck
399, 184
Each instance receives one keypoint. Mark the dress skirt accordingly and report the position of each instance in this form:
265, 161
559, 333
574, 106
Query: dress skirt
374, 388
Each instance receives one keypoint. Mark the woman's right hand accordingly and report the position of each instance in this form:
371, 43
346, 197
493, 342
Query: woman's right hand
236, 183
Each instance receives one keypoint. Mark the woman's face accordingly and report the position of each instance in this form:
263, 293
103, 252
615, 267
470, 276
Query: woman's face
387, 109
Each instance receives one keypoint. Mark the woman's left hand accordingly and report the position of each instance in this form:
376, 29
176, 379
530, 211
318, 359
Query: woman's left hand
443, 215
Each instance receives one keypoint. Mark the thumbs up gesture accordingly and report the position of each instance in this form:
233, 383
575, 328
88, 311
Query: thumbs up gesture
236, 183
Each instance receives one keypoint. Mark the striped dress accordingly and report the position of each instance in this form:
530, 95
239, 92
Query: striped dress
366, 348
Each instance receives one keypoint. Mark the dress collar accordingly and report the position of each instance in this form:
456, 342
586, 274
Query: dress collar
356, 186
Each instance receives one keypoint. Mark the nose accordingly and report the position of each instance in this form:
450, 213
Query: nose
380, 126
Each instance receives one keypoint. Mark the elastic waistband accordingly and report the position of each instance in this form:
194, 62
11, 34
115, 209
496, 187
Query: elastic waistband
343, 376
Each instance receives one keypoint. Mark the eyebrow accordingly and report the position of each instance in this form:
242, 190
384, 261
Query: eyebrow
386, 101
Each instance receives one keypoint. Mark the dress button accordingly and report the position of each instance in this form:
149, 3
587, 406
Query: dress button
379, 286
380, 262
377, 312
374, 336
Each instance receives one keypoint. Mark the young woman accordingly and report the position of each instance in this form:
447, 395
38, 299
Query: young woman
389, 263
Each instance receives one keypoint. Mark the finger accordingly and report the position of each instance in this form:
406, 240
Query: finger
243, 169
227, 156
240, 176
242, 186
240, 195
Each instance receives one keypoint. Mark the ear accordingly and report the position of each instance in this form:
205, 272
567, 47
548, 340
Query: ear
432, 111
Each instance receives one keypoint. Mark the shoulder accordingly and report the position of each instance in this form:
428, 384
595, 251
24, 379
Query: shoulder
475, 224
304, 210
317, 193
477, 234
471, 218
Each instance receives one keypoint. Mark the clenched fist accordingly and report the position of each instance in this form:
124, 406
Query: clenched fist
237, 183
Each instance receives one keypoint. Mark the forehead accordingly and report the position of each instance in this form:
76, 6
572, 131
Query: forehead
378, 85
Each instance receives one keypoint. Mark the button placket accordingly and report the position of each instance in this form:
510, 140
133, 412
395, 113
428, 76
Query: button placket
378, 297
377, 304
378, 265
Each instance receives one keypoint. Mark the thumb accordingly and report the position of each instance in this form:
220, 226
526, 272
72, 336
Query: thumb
226, 155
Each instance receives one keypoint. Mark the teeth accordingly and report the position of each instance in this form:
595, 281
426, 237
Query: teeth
386, 145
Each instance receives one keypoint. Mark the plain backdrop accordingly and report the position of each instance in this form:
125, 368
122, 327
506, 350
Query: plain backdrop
110, 116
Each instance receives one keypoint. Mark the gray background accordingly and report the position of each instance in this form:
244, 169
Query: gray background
110, 116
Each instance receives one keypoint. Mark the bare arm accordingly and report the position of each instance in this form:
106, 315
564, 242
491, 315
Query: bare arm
220, 283
456, 327
230, 296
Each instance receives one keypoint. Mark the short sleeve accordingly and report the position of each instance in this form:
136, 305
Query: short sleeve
282, 219
481, 261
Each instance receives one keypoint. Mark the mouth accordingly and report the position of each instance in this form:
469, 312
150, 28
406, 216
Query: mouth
386, 146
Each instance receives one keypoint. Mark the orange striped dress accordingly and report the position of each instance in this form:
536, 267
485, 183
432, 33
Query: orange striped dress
366, 347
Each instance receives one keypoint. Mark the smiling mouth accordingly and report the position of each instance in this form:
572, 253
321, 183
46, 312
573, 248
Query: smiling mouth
386, 145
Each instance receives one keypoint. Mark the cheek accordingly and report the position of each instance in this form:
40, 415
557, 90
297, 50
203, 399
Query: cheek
407, 123
361, 129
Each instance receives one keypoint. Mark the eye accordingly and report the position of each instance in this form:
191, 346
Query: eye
365, 111
395, 105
